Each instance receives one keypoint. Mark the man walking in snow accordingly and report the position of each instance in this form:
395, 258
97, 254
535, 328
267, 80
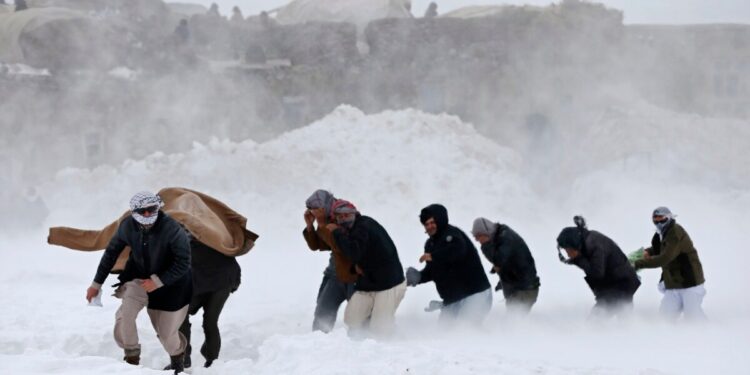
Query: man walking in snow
380, 285
215, 277
156, 276
453, 264
337, 285
511, 260
681, 270
608, 272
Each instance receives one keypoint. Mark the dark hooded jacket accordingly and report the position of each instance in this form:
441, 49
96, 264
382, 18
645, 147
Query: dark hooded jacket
455, 267
212, 270
163, 250
677, 257
369, 246
508, 251
608, 272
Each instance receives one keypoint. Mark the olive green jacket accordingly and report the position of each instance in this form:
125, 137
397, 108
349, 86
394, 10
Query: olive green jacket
678, 259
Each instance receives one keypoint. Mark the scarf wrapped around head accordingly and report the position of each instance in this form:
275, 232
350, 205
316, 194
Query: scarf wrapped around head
666, 213
145, 199
342, 206
321, 199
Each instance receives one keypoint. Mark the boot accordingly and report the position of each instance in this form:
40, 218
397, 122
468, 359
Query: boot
187, 363
132, 356
178, 363
133, 359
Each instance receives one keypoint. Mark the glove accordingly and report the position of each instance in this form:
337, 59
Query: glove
434, 305
413, 276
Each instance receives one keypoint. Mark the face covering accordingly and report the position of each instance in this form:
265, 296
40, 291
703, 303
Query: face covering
346, 222
144, 200
660, 226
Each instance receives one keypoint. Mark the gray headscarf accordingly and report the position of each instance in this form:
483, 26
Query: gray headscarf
483, 226
321, 199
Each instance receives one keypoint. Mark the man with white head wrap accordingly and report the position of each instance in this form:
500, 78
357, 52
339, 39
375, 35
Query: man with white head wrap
156, 276
682, 273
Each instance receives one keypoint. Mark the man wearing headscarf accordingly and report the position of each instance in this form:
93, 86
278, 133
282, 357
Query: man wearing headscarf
156, 276
453, 264
608, 272
681, 270
380, 284
511, 260
338, 280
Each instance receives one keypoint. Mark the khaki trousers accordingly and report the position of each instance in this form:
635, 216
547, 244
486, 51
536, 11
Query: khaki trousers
165, 323
377, 308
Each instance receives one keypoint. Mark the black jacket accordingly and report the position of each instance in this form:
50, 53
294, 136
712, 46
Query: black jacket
455, 267
212, 270
608, 272
163, 250
508, 251
369, 246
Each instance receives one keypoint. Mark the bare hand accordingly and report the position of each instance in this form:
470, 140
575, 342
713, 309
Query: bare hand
148, 285
426, 257
646, 255
309, 218
320, 215
91, 292
332, 227
359, 270
496, 269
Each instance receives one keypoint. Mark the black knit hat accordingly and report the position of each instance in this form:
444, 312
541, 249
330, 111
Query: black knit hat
570, 238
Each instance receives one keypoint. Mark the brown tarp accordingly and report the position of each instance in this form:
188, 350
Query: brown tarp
208, 220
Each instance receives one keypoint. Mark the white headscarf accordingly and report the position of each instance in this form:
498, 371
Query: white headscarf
145, 199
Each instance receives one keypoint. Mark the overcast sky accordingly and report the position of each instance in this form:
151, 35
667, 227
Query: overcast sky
636, 11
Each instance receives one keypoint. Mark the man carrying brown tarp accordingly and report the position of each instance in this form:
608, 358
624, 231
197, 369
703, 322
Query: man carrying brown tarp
214, 231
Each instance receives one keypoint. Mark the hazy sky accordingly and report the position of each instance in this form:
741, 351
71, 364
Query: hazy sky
636, 11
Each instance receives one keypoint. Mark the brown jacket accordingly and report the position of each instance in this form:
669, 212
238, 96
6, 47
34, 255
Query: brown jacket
675, 254
208, 220
322, 240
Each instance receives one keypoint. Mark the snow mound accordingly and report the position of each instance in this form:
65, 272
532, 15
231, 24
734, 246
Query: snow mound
372, 160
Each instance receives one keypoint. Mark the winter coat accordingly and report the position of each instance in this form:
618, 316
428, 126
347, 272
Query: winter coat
455, 266
607, 269
678, 259
163, 251
367, 245
213, 271
508, 251
322, 239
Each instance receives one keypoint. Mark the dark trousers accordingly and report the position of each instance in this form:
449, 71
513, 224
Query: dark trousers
331, 294
212, 303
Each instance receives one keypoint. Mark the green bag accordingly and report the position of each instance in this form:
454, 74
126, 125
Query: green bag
635, 256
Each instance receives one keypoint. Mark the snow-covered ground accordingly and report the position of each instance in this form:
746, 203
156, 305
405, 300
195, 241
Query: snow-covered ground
391, 165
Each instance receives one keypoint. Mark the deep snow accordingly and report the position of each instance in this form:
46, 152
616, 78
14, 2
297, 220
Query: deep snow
391, 165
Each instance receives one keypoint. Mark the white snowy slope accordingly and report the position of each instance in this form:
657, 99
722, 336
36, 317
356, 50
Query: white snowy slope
391, 165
